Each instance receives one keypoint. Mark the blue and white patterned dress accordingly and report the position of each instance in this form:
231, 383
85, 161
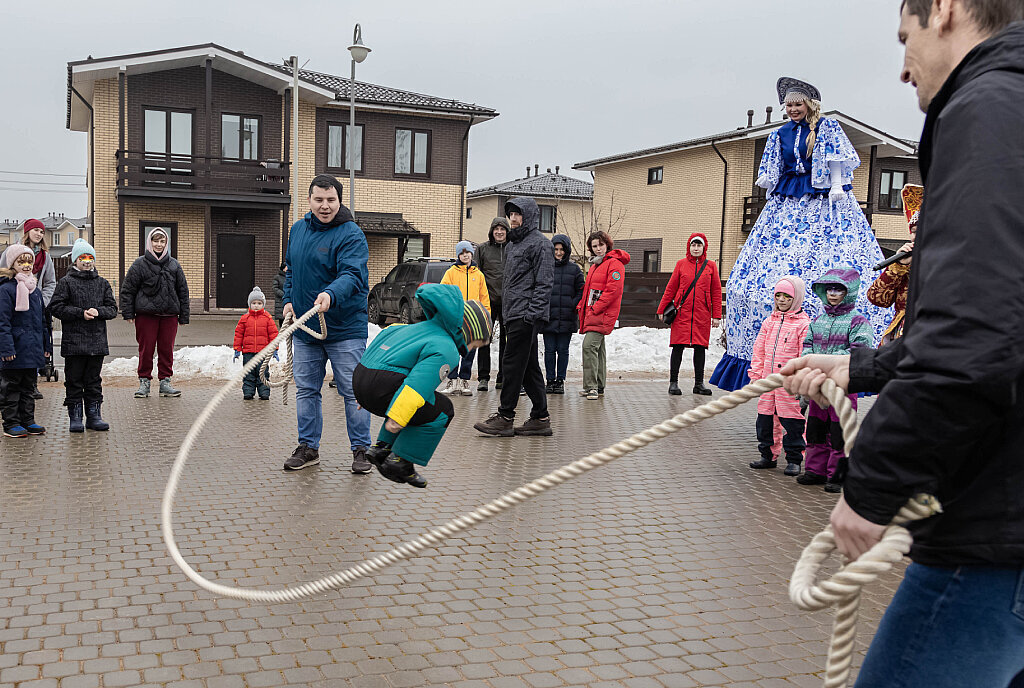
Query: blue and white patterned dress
797, 233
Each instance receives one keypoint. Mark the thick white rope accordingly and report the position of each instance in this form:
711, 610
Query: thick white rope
284, 340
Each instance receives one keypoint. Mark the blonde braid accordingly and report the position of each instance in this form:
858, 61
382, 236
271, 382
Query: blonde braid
813, 115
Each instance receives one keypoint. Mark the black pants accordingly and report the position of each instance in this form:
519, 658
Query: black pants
483, 368
16, 403
253, 383
82, 379
677, 359
522, 369
792, 442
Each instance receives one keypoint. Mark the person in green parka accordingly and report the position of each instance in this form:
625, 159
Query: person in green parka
398, 376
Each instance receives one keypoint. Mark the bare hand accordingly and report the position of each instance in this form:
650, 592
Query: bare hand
287, 310
128, 320
855, 535
90, 313
805, 375
715, 322
9, 358
906, 248
392, 426
661, 317
323, 302
47, 355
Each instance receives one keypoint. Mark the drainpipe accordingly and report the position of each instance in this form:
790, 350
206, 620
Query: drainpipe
92, 167
462, 174
725, 181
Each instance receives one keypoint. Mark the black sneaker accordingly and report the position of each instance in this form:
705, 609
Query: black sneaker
301, 458
482, 385
496, 424
397, 469
247, 397
549, 388
809, 478
834, 488
378, 453
498, 384
792, 469
764, 463
558, 387
699, 388
359, 463
535, 426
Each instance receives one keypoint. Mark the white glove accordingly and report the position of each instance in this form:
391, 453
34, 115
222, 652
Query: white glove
762, 181
836, 193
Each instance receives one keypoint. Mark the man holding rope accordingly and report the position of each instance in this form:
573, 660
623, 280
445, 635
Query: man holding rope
950, 417
327, 256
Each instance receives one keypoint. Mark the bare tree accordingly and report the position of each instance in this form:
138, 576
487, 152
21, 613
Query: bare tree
610, 219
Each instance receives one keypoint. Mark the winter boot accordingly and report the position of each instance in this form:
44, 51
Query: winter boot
166, 390
399, 470
36, 394
75, 416
834, 488
673, 388
143, 391
558, 388
764, 463
540, 427
699, 388
481, 385
93, 420
809, 478
496, 424
359, 462
378, 453
466, 388
792, 469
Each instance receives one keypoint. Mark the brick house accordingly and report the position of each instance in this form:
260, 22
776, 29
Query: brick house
60, 231
707, 185
198, 140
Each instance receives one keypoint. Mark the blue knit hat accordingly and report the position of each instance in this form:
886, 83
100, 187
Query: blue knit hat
81, 248
464, 246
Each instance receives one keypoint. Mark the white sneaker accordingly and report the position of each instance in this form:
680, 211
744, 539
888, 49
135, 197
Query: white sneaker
467, 391
451, 387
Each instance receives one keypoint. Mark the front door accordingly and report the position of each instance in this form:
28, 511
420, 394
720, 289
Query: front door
236, 269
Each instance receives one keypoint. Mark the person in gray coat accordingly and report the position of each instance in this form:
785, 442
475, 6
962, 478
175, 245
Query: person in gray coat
525, 304
490, 258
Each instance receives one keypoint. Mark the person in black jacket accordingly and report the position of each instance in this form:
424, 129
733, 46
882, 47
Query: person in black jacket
950, 417
566, 291
154, 295
490, 258
279, 279
525, 302
83, 302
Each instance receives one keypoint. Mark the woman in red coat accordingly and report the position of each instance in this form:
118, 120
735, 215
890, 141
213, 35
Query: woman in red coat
699, 309
599, 308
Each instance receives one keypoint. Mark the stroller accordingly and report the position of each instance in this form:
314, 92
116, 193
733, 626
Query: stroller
49, 371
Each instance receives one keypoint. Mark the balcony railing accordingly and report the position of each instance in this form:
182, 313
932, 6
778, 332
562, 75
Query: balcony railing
200, 175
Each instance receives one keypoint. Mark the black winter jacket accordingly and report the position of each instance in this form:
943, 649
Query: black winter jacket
490, 258
529, 267
950, 417
155, 287
279, 279
76, 292
566, 291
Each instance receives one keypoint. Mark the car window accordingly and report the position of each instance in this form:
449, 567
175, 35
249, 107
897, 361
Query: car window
435, 271
393, 275
411, 272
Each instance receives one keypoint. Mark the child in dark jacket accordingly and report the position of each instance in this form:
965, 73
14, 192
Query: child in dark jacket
24, 346
254, 331
83, 302
840, 328
566, 291
398, 376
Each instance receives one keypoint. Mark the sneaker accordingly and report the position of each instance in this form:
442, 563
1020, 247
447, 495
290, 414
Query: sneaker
673, 389
302, 457
378, 453
166, 390
359, 463
600, 391
764, 463
497, 385
535, 426
247, 397
143, 391
451, 387
792, 469
16, 431
809, 478
482, 385
522, 391
558, 387
397, 469
593, 395
549, 388
467, 389
699, 388
35, 429
496, 424
834, 488
266, 398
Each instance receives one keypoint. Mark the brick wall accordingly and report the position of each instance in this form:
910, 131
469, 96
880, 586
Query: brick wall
636, 247
105, 145
485, 209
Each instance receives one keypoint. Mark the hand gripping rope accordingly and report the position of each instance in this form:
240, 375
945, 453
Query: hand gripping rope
842, 589
284, 339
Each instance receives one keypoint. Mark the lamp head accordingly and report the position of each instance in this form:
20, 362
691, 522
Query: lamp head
358, 50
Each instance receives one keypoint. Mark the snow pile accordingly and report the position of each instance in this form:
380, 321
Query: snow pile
630, 350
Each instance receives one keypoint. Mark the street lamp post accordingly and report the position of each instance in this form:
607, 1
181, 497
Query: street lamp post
359, 53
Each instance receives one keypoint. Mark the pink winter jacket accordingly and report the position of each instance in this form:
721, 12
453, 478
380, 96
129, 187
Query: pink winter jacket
780, 340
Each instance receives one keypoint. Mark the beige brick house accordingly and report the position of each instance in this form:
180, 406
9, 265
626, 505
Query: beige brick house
198, 140
707, 185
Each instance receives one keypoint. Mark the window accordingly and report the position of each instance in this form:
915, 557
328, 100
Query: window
547, 218
172, 230
240, 137
71, 239
892, 183
415, 247
412, 152
337, 146
55, 239
167, 138
651, 262
469, 212
654, 175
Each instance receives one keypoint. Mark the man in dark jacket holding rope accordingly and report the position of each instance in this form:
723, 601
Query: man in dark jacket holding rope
950, 417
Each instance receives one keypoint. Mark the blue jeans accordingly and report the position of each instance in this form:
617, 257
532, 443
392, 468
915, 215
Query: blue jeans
950, 627
309, 365
465, 369
556, 354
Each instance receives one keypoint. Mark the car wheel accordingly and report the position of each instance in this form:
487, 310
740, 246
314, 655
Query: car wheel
374, 315
405, 314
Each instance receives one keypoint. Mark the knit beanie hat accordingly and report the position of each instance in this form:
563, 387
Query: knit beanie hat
12, 253
476, 322
463, 246
81, 248
33, 224
256, 295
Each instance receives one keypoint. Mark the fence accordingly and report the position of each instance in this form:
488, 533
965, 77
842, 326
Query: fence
640, 298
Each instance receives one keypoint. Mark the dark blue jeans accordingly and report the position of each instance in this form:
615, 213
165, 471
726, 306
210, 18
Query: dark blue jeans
949, 628
556, 355
465, 369
251, 383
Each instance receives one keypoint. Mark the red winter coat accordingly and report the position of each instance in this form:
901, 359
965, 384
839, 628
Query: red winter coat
602, 293
254, 331
692, 325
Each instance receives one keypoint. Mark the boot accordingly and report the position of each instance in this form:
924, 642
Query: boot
764, 463
792, 469
673, 388
699, 388
399, 470
36, 394
93, 420
559, 387
378, 453
143, 390
75, 416
481, 385
166, 390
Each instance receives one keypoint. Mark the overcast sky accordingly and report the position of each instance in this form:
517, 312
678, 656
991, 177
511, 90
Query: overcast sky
573, 80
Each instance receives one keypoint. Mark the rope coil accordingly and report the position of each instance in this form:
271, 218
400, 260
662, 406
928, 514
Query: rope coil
284, 339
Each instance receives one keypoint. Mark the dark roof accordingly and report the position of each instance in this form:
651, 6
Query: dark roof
385, 224
49, 222
549, 185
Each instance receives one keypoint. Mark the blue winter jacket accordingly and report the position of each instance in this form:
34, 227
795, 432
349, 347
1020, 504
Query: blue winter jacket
21, 332
566, 291
329, 258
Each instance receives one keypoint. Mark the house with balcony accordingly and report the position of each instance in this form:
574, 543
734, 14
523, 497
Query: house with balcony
61, 232
198, 140
706, 185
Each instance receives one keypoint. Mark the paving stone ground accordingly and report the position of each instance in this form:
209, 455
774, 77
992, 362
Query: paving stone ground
665, 569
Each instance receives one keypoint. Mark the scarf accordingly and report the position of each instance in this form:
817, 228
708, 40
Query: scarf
26, 285
40, 261
596, 260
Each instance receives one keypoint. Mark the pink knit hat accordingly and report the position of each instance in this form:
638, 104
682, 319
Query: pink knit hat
794, 286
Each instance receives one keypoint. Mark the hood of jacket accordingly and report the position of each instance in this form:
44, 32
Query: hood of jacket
531, 217
847, 277
82, 274
490, 233
564, 241
344, 215
443, 303
799, 288
703, 238
618, 254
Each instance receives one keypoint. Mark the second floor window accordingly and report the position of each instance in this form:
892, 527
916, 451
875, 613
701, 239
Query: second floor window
337, 146
167, 132
547, 218
239, 137
655, 175
412, 152
892, 182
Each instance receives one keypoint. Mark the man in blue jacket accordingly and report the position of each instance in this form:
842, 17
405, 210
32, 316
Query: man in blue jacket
326, 257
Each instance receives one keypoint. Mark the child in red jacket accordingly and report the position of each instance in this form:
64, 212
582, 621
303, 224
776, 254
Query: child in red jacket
254, 331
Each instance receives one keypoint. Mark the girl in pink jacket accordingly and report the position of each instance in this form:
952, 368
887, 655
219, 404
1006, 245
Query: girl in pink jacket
781, 338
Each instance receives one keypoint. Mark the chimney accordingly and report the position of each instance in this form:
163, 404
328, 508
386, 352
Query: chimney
768, 115
536, 169
750, 118
527, 171
556, 169
549, 170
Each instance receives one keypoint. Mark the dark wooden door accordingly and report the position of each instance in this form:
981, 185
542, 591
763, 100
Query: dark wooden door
236, 269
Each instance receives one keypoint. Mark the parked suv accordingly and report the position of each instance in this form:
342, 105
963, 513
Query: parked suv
394, 296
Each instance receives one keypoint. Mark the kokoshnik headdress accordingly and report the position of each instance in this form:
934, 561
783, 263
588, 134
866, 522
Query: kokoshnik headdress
913, 197
787, 85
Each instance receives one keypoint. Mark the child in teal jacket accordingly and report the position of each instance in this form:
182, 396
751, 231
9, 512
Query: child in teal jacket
398, 376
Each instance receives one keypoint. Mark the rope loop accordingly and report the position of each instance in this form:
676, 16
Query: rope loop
284, 340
